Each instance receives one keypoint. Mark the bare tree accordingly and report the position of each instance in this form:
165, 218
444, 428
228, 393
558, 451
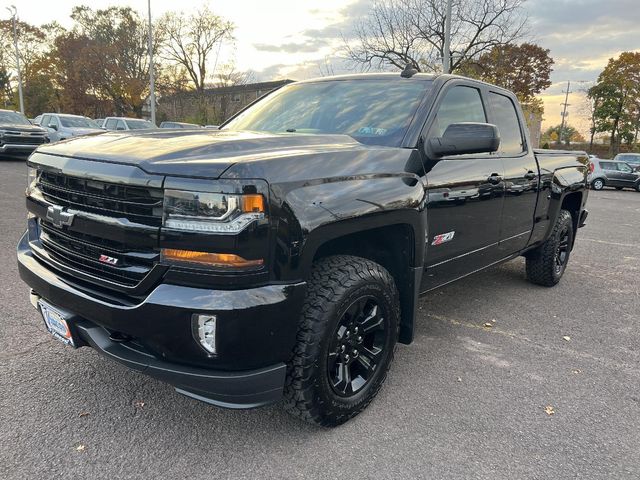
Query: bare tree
401, 32
193, 41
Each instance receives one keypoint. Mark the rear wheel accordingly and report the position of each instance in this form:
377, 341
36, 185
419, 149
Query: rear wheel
637, 187
598, 184
546, 264
346, 340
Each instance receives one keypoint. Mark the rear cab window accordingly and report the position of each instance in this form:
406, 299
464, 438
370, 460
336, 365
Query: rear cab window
505, 117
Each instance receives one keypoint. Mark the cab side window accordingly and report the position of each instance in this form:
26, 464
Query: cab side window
460, 104
121, 125
506, 119
110, 124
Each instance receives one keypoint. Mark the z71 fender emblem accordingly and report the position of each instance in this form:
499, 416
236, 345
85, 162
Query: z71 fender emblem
443, 238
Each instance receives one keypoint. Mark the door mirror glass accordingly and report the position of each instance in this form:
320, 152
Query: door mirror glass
464, 138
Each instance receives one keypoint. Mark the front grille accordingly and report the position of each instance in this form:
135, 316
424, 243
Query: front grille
17, 139
136, 204
81, 251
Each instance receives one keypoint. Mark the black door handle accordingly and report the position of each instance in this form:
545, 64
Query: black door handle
530, 175
494, 178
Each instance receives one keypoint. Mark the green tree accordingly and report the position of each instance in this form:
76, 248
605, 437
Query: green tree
569, 134
616, 99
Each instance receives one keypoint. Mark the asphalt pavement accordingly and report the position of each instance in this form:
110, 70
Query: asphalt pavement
550, 390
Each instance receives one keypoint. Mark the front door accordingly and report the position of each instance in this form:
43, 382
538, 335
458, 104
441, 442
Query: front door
465, 197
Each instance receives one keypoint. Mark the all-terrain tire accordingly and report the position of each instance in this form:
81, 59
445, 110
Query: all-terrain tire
336, 284
543, 267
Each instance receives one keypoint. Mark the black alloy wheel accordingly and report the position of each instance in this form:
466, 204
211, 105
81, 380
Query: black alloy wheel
562, 252
357, 347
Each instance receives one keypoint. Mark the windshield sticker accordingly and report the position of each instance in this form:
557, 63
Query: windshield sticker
378, 132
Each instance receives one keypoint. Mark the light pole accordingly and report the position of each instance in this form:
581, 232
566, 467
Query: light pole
446, 54
152, 87
14, 14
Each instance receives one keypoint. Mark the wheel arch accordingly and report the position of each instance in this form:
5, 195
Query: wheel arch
396, 242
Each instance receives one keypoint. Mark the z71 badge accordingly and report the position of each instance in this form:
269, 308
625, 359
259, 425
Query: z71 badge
443, 238
108, 260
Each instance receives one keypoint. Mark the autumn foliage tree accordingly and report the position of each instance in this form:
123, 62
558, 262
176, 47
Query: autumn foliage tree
524, 69
616, 98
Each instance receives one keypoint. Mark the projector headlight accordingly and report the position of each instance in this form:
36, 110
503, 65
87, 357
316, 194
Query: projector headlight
32, 177
211, 212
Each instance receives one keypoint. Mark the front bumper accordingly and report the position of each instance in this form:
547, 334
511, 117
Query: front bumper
257, 329
18, 148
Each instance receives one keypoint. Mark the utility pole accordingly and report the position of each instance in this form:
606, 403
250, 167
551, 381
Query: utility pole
446, 54
152, 87
14, 14
564, 110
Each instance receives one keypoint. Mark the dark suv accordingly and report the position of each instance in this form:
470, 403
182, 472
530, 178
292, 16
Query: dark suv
18, 137
610, 173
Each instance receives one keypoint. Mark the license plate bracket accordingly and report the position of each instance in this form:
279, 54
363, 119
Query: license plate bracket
57, 322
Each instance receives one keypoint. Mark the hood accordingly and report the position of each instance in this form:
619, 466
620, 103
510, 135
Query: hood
196, 153
78, 131
21, 128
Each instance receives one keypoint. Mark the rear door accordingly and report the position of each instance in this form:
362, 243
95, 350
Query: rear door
626, 174
612, 174
520, 173
464, 192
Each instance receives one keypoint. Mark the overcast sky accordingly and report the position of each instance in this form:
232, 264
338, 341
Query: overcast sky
292, 38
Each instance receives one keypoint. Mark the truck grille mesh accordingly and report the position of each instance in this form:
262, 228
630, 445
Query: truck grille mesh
137, 204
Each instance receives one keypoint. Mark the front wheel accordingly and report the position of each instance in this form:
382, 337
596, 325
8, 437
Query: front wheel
637, 187
345, 342
546, 264
598, 184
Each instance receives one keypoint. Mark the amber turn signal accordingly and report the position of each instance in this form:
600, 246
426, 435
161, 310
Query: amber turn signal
253, 203
225, 260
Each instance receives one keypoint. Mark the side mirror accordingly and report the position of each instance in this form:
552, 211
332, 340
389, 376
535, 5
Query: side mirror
53, 126
464, 138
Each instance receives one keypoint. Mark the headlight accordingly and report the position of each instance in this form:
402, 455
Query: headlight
32, 178
211, 212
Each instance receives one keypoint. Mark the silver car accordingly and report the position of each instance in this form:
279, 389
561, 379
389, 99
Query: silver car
126, 123
61, 126
633, 159
609, 173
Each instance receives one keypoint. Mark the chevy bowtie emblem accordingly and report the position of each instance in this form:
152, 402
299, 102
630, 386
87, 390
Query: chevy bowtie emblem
58, 217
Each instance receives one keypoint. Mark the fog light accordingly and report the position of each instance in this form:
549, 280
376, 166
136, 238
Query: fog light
204, 327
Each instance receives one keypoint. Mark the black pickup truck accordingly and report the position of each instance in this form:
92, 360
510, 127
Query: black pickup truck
18, 137
282, 256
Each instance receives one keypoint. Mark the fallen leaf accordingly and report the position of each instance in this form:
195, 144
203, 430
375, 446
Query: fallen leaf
549, 410
488, 325
493, 320
459, 379
83, 414
81, 448
139, 404
576, 371
566, 338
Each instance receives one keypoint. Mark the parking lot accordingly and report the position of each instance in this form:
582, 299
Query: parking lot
550, 390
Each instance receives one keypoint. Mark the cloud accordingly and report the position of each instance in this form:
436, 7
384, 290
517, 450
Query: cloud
308, 46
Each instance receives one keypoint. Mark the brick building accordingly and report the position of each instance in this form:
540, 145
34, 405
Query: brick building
212, 107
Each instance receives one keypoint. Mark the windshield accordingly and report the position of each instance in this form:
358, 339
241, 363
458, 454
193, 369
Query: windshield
13, 118
78, 122
629, 158
138, 124
373, 111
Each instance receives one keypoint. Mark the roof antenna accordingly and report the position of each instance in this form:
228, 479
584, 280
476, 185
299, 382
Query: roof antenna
409, 71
